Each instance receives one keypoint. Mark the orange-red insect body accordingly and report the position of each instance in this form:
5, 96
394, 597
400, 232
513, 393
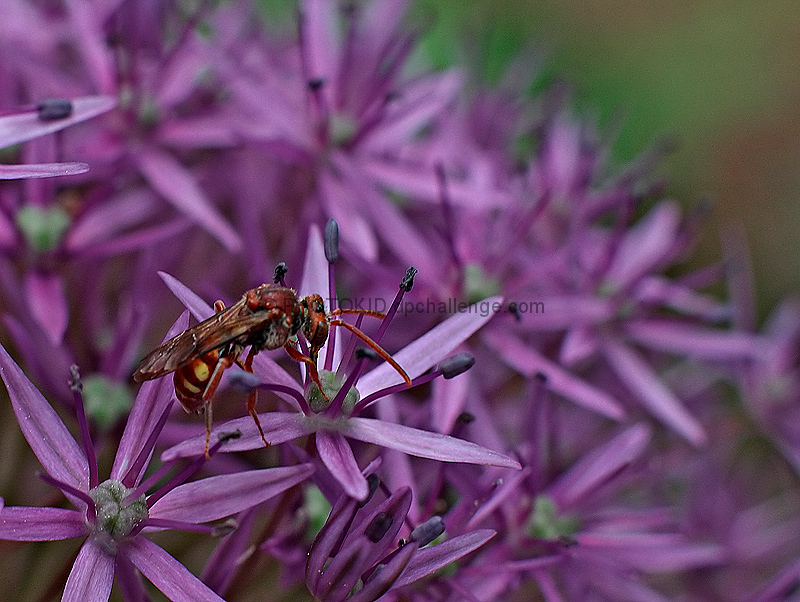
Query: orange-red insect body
266, 317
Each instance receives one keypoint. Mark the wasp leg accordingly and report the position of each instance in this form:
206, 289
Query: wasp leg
312, 367
223, 363
252, 398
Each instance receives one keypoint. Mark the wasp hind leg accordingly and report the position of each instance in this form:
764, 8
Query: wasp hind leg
253, 397
222, 364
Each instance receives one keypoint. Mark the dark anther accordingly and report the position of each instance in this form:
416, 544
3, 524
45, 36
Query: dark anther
331, 241
75, 383
427, 531
407, 283
225, 528
455, 365
373, 482
316, 84
280, 272
513, 309
541, 377
378, 527
366, 353
229, 436
465, 418
54, 109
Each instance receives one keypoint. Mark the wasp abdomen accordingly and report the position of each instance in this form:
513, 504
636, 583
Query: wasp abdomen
192, 379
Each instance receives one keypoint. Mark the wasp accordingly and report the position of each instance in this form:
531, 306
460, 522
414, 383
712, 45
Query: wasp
267, 317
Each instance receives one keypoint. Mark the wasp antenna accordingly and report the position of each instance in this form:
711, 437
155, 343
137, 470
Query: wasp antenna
362, 312
375, 347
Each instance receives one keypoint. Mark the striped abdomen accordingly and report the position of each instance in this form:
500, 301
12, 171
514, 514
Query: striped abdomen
192, 379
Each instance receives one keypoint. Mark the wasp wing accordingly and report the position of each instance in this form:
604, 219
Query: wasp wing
217, 331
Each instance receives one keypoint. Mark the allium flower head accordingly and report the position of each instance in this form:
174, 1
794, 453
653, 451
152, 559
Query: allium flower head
113, 514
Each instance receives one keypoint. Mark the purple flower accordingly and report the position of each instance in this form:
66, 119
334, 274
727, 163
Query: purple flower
114, 514
356, 555
350, 394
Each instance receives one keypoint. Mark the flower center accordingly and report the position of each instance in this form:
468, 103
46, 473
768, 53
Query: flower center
331, 384
115, 517
545, 522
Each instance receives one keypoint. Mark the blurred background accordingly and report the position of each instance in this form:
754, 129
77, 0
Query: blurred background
720, 77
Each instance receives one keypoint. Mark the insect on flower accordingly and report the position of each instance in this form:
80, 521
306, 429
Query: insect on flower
266, 317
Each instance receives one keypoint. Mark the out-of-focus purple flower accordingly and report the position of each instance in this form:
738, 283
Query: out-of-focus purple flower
572, 533
113, 514
350, 394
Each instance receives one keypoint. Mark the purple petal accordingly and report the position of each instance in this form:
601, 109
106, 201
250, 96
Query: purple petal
652, 393
335, 453
600, 465
49, 439
529, 362
219, 496
432, 558
695, 341
95, 54
48, 304
423, 185
418, 104
167, 574
423, 444
193, 302
315, 268
279, 427
646, 244
151, 402
179, 186
26, 125
20, 523
653, 552
429, 349
113, 216
91, 576
42, 170
320, 46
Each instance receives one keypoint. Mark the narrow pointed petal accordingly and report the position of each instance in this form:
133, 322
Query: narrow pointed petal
153, 399
180, 188
167, 574
19, 523
219, 496
423, 444
386, 576
654, 552
92, 575
432, 558
335, 453
653, 393
42, 170
49, 439
26, 125
431, 348
112, 217
695, 341
279, 427
529, 362
419, 103
193, 302
315, 268
600, 465
422, 184
48, 304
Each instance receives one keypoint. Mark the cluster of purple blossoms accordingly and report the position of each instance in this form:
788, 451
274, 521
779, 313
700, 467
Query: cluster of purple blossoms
569, 413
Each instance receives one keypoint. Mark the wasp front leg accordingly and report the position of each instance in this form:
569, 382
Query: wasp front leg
312, 366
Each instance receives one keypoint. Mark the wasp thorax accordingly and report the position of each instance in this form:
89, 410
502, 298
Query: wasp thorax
116, 518
331, 384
